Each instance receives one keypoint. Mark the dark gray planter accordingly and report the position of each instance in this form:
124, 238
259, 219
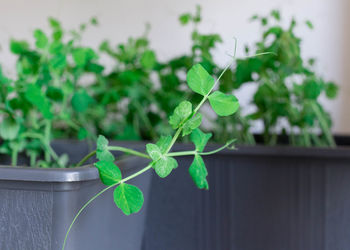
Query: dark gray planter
38, 205
266, 198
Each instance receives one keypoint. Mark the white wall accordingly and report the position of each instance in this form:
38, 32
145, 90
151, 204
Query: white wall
120, 19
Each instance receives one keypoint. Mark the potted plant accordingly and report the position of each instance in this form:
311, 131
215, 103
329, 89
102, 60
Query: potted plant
46, 102
45, 109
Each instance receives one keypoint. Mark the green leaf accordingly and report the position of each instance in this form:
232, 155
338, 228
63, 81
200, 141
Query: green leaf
165, 165
34, 95
192, 124
109, 172
9, 128
276, 14
81, 101
82, 133
200, 139
312, 90
163, 143
223, 104
199, 172
181, 113
185, 18
54, 23
18, 47
199, 80
102, 152
68, 87
54, 93
148, 59
102, 143
58, 62
331, 90
41, 39
154, 151
309, 24
94, 21
82, 56
79, 56
63, 160
128, 198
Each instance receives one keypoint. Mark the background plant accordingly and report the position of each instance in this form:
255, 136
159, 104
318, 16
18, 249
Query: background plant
289, 89
46, 99
62, 91
131, 84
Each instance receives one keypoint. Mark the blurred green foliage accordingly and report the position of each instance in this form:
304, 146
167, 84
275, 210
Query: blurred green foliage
288, 88
62, 90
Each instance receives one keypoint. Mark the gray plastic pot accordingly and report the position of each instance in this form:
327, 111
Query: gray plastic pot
260, 198
38, 205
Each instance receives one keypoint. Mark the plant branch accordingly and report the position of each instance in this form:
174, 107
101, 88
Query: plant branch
82, 209
86, 157
193, 152
149, 166
323, 124
128, 151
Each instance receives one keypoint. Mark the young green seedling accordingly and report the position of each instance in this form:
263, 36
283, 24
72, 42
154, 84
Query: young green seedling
185, 120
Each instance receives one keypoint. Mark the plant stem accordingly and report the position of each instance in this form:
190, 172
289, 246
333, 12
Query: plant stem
323, 124
218, 149
82, 209
128, 151
306, 136
149, 166
193, 152
114, 148
182, 153
33, 156
86, 157
47, 133
33, 135
14, 155
174, 139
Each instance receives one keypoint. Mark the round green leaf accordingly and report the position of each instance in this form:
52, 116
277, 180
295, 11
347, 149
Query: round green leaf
81, 101
148, 59
199, 80
102, 152
41, 39
128, 198
54, 93
109, 172
164, 166
223, 104
34, 95
312, 90
153, 151
192, 124
181, 113
9, 129
18, 47
331, 90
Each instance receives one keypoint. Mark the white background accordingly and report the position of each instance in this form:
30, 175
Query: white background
329, 41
